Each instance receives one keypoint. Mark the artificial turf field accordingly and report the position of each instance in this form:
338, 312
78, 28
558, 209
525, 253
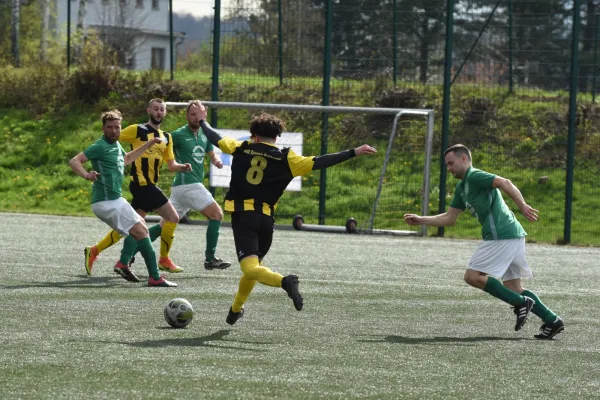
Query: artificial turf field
384, 318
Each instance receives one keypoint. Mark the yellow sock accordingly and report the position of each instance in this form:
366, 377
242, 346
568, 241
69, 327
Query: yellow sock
244, 290
166, 238
111, 238
255, 272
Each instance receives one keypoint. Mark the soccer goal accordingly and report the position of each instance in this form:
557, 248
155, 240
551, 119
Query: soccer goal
376, 191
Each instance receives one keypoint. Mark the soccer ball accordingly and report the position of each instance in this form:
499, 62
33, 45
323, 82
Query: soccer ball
179, 313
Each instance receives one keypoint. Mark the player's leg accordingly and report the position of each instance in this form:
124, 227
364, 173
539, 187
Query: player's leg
493, 258
214, 213
91, 253
289, 283
552, 323
198, 198
156, 201
140, 233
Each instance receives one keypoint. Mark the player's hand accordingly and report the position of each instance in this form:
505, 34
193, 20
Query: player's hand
218, 163
92, 176
203, 111
530, 213
365, 149
156, 140
412, 219
187, 167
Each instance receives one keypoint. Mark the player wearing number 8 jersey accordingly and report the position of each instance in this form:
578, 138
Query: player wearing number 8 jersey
260, 172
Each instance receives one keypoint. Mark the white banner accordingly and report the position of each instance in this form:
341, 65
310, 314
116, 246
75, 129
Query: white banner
222, 177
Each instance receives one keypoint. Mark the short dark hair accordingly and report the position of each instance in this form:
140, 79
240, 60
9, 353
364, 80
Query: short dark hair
194, 103
458, 150
155, 100
266, 125
112, 115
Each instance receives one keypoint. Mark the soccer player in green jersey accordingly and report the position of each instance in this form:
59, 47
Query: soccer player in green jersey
147, 196
108, 161
188, 192
502, 252
260, 172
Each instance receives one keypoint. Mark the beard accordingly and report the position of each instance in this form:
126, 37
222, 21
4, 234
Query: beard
194, 125
155, 121
110, 139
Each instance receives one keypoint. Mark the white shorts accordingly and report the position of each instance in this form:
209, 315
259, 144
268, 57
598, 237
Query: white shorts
504, 259
118, 214
190, 197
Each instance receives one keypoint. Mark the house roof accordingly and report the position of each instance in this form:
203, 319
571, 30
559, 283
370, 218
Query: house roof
137, 31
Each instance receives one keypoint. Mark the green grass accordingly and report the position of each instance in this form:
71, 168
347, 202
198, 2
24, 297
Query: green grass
384, 318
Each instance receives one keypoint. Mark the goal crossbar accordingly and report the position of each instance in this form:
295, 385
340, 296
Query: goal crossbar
397, 112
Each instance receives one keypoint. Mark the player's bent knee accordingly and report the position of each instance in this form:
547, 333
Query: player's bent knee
139, 231
471, 277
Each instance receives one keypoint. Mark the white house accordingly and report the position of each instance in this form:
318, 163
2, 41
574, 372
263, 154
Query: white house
137, 29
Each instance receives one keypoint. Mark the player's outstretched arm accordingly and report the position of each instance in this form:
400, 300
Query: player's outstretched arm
329, 160
212, 135
76, 164
446, 219
134, 154
174, 166
515, 194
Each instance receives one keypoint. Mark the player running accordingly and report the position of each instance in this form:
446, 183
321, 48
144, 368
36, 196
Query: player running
260, 172
502, 252
108, 160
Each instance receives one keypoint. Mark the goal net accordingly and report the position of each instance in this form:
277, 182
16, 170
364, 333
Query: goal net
374, 190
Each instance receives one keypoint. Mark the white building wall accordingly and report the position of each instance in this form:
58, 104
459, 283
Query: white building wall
110, 13
143, 56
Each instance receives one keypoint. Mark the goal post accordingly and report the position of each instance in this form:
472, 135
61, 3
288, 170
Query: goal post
379, 210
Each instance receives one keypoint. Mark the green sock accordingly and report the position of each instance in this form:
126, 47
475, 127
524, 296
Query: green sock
145, 246
539, 308
498, 290
154, 233
129, 249
212, 237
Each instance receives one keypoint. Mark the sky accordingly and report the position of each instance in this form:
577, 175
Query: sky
198, 8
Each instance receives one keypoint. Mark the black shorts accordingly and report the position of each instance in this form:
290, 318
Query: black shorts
147, 198
252, 233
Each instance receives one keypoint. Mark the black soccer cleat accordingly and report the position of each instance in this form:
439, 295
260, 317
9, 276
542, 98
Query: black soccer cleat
125, 272
232, 317
290, 285
548, 331
523, 311
216, 263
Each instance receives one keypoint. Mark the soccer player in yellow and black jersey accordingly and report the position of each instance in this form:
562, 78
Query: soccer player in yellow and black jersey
260, 172
147, 196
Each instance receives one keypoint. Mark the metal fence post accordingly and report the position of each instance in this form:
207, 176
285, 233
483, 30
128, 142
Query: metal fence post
171, 63
68, 35
596, 37
572, 121
325, 123
446, 106
214, 95
395, 41
280, 42
510, 46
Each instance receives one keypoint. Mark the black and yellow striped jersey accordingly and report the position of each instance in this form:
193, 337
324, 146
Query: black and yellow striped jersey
260, 172
146, 169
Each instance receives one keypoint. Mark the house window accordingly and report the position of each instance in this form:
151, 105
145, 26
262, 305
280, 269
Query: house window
158, 58
139, 3
155, 4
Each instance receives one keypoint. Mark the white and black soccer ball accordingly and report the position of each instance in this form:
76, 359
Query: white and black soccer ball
179, 313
